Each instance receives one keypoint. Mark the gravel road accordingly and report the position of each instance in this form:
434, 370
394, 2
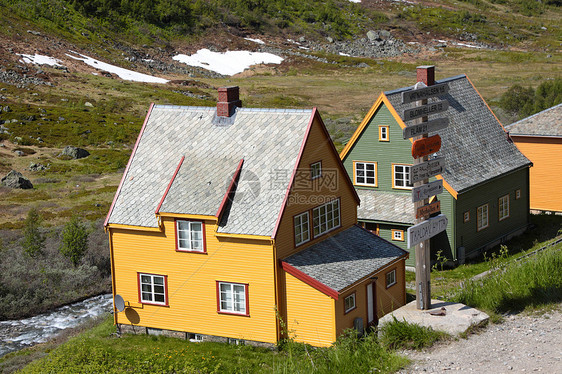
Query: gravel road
522, 343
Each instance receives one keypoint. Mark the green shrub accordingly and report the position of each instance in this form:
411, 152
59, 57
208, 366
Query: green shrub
33, 241
523, 102
405, 335
74, 240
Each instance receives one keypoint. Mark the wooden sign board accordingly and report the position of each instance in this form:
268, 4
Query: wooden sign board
426, 146
426, 230
427, 190
427, 210
425, 110
427, 169
425, 127
424, 93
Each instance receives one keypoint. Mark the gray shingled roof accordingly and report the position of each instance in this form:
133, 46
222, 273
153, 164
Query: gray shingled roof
545, 123
268, 140
345, 258
385, 206
475, 146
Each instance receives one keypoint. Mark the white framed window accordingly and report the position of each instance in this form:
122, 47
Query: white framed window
366, 173
316, 170
153, 289
349, 303
383, 134
397, 235
302, 230
326, 217
517, 194
391, 278
503, 207
466, 217
401, 176
232, 298
482, 217
190, 236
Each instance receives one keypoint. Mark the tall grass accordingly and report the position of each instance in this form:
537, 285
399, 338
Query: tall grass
100, 351
405, 335
529, 284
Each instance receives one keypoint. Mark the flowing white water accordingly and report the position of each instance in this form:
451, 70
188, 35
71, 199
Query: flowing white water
17, 334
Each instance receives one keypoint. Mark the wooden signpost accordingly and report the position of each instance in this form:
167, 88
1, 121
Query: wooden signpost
427, 169
420, 172
427, 210
426, 230
425, 191
424, 93
426, 146
425, 127
426, 110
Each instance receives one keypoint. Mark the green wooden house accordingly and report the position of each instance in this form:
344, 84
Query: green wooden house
486, 178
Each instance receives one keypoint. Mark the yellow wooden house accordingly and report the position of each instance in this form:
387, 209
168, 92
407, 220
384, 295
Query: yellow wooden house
229, 220
539, 138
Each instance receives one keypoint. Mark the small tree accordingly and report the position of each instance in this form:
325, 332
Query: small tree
33, 241
74, 240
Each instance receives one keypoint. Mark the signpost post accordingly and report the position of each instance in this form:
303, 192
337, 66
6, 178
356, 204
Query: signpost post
420, 172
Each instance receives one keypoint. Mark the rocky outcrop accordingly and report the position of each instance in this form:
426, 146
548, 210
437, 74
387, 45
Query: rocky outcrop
15, 179
74, 152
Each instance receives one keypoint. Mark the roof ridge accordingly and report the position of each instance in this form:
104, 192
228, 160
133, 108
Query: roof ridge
444, 80
212, 108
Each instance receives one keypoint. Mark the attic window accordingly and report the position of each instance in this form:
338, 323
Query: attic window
316, 170
190, 236
383, 134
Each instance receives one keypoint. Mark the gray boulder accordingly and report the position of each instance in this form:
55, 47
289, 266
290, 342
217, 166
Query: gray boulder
15, 179
373, 36
74, 152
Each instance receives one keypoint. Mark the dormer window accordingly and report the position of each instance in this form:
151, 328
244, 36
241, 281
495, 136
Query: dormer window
190, 236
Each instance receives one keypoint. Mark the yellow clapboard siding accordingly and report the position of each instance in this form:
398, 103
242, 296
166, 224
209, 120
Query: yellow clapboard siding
308, 194
192, 282
546, 173
310, 314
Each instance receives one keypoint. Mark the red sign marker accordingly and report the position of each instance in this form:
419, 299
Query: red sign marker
427, 210
426, 146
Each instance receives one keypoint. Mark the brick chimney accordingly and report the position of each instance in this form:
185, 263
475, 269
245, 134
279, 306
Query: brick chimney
229, 100
426, 74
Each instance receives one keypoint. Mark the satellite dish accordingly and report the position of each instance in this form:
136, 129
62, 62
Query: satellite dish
119, 303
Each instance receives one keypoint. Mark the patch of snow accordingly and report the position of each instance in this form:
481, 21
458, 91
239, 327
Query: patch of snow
301, 47
355, 1
259, 41
469, 45
345, 54
40, 60
122, 73
227, 63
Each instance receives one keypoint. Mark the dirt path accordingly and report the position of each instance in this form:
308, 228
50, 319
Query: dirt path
520, 344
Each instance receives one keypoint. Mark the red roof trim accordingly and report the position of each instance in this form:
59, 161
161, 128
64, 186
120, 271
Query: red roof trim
310, 281
220, 211
169, 185
293, 175
128, 165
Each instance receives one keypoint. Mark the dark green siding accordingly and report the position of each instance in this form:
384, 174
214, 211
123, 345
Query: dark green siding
468, 235
458, 234
369, 148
